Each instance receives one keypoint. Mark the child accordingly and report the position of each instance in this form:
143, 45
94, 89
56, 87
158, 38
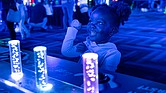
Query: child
104, 22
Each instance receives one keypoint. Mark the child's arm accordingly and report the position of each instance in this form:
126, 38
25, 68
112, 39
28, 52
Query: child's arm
68, 49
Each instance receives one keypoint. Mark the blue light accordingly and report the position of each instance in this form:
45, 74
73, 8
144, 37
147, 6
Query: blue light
15, 59
40, 55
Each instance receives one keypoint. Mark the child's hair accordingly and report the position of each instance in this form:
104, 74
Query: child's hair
119, 10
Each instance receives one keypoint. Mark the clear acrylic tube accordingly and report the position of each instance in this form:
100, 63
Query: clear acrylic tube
15, 59
40, 55
90, 72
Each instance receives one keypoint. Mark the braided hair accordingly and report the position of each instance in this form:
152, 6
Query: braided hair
120, 10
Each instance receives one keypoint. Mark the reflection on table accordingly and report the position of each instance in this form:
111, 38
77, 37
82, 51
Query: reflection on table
28, 83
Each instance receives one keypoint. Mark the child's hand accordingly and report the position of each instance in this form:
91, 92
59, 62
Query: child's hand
76, 24
81, 47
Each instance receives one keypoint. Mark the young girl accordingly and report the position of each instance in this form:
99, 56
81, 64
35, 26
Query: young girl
104, 22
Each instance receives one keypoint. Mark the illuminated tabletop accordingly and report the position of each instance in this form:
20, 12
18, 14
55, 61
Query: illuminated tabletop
7, 84
66, 77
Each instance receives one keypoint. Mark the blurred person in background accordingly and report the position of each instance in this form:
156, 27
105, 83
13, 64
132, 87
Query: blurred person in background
38, 16
49, 12
25, 33
67, 8
151, 4
156, 5
6, 5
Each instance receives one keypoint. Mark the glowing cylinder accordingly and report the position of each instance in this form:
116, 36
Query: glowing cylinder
90, 72
40, 54
15, 59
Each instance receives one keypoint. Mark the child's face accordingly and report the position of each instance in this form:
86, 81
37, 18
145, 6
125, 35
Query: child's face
99, 26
